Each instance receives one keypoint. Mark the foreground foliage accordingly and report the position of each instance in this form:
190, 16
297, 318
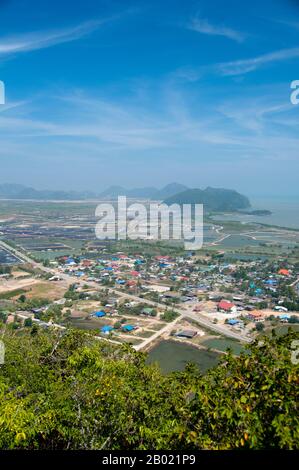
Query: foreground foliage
70, 391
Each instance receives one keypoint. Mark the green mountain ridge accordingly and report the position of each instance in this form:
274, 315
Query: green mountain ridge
213, 199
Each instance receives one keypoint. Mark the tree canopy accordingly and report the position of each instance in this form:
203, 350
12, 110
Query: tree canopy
67, 390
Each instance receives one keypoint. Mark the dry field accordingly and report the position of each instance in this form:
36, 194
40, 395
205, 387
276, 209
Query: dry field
33, 288
45, 289
15, 284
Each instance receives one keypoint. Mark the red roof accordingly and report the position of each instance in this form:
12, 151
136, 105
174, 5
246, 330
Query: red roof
135, 273
86, 262
224, 305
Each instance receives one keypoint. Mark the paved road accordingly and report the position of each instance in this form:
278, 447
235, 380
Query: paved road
13, 251
203, 321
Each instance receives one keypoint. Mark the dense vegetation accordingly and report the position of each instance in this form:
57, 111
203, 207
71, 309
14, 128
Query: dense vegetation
214, 199
69, 391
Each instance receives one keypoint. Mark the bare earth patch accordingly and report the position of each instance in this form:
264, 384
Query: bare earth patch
15, 284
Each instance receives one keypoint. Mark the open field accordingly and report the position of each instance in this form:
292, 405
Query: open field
32, 288
44, 289
14, 284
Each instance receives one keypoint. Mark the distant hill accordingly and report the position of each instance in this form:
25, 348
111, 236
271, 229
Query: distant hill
144, 193
11, 190
18, 191
214, 199
169, 190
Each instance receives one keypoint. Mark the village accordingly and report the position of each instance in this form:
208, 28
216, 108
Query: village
142, 299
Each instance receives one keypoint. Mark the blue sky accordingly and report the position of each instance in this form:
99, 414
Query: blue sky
139, 93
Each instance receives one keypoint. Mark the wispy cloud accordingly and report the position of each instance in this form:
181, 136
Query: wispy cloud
205, 27
235, 67
99, 135
240, 67
44, 39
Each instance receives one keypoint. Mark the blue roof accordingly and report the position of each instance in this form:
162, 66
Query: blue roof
128, 327
233, 321
100, 313
285, 316
106, 328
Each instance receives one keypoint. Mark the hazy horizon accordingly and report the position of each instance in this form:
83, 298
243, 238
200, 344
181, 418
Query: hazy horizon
255, 197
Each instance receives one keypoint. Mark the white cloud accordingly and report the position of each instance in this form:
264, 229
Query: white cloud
43, 39
239, 67
205, 27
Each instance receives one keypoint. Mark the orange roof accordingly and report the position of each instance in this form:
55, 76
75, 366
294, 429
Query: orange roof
284, 272
256, 314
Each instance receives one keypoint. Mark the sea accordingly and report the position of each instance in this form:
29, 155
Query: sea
285, 212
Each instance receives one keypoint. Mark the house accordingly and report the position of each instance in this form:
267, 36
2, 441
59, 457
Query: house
106, 329
128, 328
54, 278
80, 273
284, 272
86, 263
99, 314
234, 322
157, 288
197, 308
255, 316
226, 307
284, 317
185, 298
134, 273
148, 311
280, 308
271, 282
70, 262
186, 334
